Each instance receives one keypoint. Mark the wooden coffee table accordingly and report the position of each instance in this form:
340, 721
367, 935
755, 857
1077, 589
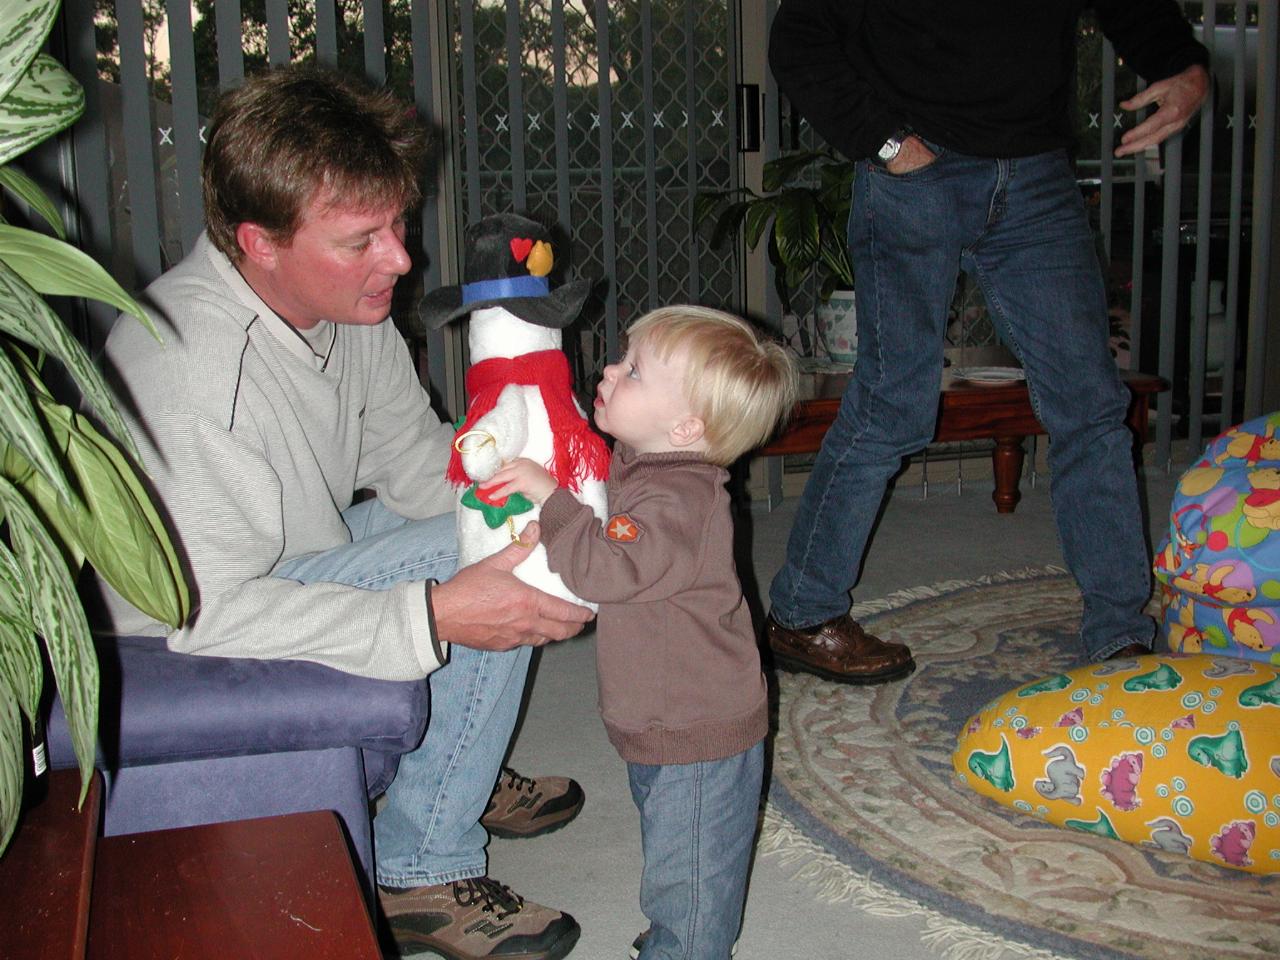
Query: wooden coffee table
968, 410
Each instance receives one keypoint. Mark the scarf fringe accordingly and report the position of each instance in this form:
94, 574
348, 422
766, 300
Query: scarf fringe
578, 454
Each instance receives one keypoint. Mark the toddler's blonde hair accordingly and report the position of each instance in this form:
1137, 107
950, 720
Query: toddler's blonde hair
740, 384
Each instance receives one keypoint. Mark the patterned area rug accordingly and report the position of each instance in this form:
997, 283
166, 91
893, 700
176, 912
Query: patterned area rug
864, 800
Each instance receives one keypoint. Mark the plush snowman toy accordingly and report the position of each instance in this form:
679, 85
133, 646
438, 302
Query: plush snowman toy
519, 388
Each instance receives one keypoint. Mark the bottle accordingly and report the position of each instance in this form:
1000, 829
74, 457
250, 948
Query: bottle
35, 783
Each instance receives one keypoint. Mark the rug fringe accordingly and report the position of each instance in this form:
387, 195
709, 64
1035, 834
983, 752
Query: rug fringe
900, 598
836, 882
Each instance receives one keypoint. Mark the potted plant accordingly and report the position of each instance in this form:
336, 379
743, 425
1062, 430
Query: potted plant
803, 213
68, 494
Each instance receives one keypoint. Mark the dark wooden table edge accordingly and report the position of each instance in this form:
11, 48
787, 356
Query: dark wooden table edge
1011, 401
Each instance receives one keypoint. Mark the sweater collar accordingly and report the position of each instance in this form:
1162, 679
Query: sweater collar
257, 309
629, 463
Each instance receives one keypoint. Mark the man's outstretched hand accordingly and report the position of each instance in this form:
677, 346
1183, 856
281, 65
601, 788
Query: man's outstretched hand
1179, 98
485, 606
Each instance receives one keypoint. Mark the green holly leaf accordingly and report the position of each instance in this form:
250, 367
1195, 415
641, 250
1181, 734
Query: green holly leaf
495, 515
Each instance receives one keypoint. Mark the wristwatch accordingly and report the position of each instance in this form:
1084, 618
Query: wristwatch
893, 146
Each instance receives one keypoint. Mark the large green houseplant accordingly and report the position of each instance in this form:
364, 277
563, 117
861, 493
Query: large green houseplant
68, 494
802, 212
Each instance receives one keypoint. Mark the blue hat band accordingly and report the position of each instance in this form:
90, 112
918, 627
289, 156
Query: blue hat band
504, 288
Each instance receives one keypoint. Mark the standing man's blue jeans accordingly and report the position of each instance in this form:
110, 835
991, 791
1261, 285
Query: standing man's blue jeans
1017, 226
429, 832
697, 826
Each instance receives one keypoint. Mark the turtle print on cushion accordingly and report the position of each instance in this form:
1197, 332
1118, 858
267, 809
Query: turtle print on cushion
1176, 752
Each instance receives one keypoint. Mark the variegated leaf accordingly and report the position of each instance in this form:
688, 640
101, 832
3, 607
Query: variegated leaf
112, 523
29, 192
42, 328
11, 765
20, 663
23, 26
51, 266
21, 427
45, 100
24, 313
14, 601
60, 620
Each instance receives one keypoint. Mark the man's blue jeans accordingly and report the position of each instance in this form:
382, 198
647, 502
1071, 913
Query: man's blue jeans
697, 826
429, 831
1017, 226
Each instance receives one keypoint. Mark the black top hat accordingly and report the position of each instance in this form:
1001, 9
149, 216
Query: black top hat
505, 264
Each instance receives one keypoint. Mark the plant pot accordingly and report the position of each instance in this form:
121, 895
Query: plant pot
837, 323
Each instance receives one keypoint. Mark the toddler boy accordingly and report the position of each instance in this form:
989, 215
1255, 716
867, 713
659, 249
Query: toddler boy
681, 692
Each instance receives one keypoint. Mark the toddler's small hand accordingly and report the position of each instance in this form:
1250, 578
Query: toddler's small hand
521, 476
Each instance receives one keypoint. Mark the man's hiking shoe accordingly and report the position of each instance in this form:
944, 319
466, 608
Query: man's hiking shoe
527, 807
476, 919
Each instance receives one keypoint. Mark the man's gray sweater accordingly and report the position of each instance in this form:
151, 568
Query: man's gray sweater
255, 444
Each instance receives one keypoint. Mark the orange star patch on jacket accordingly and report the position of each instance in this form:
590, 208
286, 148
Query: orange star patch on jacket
622, 529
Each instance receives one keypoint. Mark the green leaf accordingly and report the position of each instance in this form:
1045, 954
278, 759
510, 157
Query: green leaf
28, 317
24, 314
20, 426
113, 523
758, 217
45, 100
796, 229
60, 620
705, 206
834, 254
52, 266
20, 663
11, 765
29, 192
779, 172
24, 24
836, 178
729, 221
14, 602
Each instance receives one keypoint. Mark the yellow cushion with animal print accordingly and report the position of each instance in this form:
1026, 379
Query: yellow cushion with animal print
1178, 752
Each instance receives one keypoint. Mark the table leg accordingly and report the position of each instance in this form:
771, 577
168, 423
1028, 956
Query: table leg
1006, 463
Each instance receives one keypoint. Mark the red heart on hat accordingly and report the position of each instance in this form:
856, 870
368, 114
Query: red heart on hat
520, 247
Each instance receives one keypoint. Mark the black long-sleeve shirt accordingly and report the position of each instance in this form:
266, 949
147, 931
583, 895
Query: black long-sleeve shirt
989, 78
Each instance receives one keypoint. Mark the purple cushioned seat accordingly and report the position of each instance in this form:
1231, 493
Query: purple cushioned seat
185, 739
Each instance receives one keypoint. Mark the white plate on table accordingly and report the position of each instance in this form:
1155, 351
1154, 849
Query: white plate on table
988, 374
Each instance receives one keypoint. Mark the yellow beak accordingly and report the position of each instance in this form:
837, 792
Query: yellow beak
541, 259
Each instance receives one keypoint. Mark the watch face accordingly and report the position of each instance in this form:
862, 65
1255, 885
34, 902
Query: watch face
890, 149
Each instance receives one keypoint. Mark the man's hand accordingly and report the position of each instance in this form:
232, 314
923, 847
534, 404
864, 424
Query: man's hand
913, 156
1179, 98
486, 607
521, 475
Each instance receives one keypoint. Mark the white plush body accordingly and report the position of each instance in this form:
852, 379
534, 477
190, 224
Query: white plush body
520, 427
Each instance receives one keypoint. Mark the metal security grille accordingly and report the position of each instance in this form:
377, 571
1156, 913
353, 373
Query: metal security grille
151, 72
609, 116
606, 118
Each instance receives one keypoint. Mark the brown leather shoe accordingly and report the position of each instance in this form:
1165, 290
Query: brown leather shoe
838, 650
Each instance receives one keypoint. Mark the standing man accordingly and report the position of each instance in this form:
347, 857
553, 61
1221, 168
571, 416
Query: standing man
281, 390
958, 115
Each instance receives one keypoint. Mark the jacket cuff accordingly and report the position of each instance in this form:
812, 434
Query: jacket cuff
439, 648
557, 511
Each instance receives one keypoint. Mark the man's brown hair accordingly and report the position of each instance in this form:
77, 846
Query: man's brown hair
289, 135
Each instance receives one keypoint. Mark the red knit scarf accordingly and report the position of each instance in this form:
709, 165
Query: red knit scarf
579, 453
